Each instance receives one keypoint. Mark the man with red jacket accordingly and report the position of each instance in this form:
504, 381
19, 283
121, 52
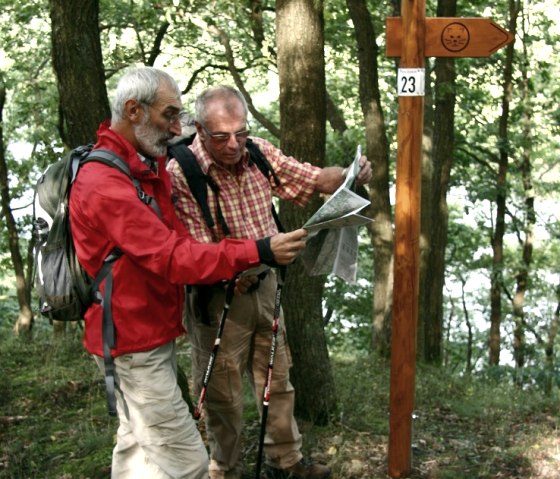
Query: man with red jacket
157, 437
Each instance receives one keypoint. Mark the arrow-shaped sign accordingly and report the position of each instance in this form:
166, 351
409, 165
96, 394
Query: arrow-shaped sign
452, 37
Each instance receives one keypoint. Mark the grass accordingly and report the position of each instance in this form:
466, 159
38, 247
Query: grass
53, 420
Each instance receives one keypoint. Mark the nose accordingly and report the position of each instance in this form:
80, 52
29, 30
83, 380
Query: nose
233, 141
175, 127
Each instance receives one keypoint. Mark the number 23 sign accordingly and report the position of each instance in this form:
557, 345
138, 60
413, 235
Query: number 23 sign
411, 81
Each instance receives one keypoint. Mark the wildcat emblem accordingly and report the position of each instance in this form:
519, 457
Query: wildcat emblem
455, 37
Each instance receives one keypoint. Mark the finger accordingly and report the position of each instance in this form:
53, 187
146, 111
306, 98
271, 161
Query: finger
299, 234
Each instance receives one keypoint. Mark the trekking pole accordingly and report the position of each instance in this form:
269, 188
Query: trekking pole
227, 302
268, 384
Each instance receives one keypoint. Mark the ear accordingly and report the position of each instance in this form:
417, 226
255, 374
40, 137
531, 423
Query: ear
200, 131
134, 111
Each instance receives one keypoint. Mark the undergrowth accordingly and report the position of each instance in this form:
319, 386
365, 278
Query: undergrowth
54, 424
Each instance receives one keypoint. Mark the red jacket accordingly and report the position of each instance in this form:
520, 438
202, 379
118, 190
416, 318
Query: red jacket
159, 256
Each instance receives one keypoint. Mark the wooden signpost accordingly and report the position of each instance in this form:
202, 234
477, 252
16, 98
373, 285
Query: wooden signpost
412, 37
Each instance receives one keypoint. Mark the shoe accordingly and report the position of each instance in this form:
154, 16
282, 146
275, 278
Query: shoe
300, 470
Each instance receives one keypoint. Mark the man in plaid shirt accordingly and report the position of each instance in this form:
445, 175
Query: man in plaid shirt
244, 198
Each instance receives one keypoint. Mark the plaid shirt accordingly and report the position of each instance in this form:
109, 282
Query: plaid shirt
245, 198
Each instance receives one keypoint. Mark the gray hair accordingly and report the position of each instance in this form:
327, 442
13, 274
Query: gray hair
140, 84
229, 95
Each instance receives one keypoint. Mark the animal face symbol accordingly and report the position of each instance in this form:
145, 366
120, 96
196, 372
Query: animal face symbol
455, 37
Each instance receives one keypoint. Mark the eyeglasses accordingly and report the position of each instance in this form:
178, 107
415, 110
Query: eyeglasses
170, 116
224, 137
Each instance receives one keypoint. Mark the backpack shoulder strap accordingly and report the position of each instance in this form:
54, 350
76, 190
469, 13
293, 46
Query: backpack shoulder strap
196, 179
110, 158
198, 183
260, 161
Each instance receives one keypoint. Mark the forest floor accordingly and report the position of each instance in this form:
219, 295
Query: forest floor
53, 421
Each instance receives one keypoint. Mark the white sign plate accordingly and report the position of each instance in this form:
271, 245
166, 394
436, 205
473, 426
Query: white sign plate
411, 81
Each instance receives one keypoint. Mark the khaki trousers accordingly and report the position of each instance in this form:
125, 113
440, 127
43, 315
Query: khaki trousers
157, 437
244, 348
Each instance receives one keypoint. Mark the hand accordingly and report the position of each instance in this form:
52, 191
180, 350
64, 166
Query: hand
286, 246
243, 284
365, 173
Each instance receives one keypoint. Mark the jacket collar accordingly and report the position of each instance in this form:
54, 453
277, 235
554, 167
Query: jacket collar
111, 140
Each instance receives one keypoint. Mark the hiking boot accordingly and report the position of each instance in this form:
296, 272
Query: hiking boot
300, 470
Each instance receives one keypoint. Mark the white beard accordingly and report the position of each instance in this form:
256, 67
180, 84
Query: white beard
152, 141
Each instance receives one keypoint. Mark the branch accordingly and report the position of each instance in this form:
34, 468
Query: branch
22, 207
198, 71
224, 40
507, 293
335, 116
478, 159
516, 225
156, 49
531, 329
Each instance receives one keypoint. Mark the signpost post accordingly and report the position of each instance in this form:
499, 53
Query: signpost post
412, 37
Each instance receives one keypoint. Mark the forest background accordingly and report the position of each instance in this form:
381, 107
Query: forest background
318, 83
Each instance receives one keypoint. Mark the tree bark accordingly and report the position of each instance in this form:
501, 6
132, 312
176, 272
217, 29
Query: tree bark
469, 358
549, 348
381, 231
301, 68
24, 322
78, 65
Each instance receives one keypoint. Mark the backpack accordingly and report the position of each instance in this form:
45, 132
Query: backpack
65, 290
199, 182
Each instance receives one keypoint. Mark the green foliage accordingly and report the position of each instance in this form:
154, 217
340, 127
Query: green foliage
8, 305
55, 418
348, 308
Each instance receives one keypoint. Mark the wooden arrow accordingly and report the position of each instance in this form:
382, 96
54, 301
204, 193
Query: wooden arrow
452, 37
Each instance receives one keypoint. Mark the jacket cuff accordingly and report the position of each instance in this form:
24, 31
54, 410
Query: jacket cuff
265, 252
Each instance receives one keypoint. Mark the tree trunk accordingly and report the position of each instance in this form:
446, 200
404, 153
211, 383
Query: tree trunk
427, 205
525, 169
381, 231
434, 202
78, 65
469, 358
24, 322
299, 27
550, 367
501, 198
